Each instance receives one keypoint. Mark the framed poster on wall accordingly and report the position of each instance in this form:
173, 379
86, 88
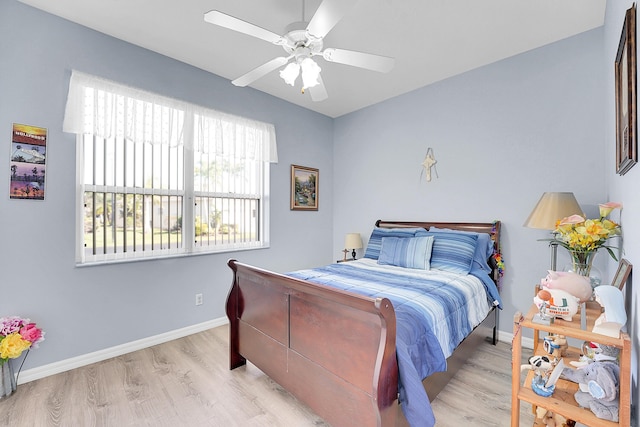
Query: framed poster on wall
28, 162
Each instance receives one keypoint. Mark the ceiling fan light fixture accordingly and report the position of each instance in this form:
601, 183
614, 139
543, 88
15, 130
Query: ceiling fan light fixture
310, 72
302, 41
290, 73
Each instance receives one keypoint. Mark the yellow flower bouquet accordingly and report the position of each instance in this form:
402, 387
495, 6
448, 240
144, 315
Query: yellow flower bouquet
583, 237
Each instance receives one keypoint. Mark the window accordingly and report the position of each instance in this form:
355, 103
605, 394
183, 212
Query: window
160, 177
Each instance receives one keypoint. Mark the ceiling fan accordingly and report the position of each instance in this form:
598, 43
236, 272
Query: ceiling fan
302, 42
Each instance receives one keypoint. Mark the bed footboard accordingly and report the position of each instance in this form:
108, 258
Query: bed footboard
333, 350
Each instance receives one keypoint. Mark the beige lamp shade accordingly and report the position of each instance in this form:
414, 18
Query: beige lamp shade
550, 208
353, 241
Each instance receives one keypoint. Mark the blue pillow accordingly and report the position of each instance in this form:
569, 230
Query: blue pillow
484, 247
453, 252
375, 240
412, 252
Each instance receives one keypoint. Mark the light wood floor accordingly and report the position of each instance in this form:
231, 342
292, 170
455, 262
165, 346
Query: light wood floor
187, 382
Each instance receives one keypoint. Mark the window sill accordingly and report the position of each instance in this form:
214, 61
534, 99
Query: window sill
164, 257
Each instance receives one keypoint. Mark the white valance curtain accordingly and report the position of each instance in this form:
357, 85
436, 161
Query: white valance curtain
108, 109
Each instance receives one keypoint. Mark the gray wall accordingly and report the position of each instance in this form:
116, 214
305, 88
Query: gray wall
91, 308
623, 188
502, 134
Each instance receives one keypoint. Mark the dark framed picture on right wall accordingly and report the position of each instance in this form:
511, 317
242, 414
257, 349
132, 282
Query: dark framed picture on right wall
625, 71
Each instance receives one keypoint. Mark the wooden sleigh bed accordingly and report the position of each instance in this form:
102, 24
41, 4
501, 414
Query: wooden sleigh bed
334, 350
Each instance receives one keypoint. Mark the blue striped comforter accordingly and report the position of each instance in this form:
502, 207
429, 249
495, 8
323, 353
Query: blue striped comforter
435, 311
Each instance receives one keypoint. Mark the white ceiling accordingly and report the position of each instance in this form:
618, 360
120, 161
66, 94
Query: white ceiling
430, 39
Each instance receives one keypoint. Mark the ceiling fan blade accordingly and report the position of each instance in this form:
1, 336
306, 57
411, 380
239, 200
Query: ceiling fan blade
382, 64
329, 13
227, 21
318, 92
260, 71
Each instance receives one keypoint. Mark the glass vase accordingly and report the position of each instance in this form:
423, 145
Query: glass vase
7, 380
581, 262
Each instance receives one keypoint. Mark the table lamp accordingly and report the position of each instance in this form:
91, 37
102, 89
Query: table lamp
550, 208
352, 241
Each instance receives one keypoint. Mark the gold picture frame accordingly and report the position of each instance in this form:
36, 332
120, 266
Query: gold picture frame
625, 74
304, 188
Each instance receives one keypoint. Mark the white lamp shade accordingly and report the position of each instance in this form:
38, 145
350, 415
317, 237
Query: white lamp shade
353, 241
550, 208
310, 73
290, 73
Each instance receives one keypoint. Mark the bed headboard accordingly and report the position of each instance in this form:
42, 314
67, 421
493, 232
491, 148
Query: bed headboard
492, 228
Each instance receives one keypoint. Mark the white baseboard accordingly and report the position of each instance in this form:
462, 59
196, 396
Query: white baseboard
508, 338
100, 355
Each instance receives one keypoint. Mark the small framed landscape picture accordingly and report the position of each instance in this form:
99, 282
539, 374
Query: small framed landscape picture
304, 188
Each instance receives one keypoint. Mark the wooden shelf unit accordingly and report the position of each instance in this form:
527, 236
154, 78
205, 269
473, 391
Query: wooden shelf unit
562, 401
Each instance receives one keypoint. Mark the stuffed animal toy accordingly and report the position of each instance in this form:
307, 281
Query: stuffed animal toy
594, 352
551, 419
556, 303
605, 353
577, 285
599, 384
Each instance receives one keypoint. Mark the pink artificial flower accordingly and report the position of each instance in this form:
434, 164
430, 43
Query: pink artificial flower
606, 208
573, 219
31, 333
